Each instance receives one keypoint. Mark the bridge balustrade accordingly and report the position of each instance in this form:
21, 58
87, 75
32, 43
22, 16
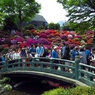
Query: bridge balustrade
53, 66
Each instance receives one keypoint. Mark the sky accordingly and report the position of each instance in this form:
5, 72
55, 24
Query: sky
52, 11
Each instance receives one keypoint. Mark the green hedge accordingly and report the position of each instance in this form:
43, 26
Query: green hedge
79, 90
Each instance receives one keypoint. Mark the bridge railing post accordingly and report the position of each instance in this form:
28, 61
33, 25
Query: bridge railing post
6, 65
51, 64
76, 65
33, 61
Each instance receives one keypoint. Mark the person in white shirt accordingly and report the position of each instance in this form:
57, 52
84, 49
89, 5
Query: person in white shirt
16, 55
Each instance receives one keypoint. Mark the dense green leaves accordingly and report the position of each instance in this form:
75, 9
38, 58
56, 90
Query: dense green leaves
79, 90
54, 26
80, 12
19, 10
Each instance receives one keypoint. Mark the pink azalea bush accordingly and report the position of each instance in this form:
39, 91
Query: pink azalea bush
13, 41
47, 32
19, 39
48, 37
31, 41
44, 41
18, 33
63, 37
43, 35
78, 36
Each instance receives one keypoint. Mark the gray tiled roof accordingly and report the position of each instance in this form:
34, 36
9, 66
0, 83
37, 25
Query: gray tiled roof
39, 18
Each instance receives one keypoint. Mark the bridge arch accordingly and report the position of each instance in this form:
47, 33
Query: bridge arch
43, 75
45, 68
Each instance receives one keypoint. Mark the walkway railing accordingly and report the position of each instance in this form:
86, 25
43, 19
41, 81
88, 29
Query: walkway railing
53, 66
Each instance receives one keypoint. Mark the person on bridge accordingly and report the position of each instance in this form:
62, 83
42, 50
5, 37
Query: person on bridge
32, 50
54, 54
67, 57
39, 50
92, 63
2, 60
63, 50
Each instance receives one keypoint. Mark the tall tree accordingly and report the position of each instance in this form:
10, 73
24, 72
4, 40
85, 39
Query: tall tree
80, 12
20, 10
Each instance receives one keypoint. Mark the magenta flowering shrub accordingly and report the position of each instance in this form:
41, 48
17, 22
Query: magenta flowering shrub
13, 41
90, 32
64, 37
43, 35
31, 41
19, 39
50, 35
89, 37
78, 36
47, 32
66, 43
18, 33
44, 41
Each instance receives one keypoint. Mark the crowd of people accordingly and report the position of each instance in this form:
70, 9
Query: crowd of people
65, 52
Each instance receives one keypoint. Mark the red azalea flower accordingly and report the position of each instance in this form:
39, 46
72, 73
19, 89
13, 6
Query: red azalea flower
6, 45
23, 45
32, 30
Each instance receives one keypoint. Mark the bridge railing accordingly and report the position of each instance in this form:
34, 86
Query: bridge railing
53, 66
87, 74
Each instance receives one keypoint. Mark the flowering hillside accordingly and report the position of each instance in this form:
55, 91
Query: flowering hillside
46, 37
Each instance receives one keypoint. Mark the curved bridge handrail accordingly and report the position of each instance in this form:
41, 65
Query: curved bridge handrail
51, 65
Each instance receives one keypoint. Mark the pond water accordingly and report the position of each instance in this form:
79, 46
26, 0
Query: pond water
34, 87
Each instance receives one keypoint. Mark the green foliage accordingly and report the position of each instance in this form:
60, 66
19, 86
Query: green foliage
20, 10
57, 26
79, 90
51, 25
9, 24
7, 87
66, 27
5, 50
27, 33
30, 26
41, 27
2, 23
81, 13
57, 91
54, 26
81, 27
6, 79
77, 39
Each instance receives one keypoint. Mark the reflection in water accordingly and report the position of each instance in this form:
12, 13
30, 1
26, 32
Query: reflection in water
35, 87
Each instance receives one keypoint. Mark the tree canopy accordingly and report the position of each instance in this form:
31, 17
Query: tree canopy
54, 26
81, 13
19, 10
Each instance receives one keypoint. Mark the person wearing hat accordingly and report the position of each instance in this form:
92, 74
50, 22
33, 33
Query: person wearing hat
54, 54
